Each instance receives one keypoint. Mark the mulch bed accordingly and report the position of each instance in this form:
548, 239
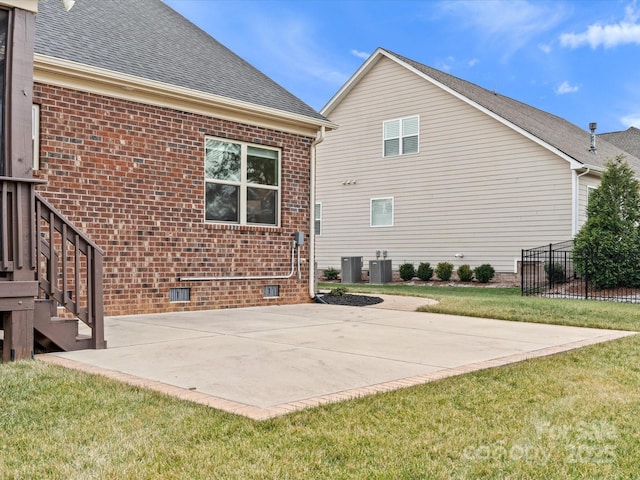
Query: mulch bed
350, 300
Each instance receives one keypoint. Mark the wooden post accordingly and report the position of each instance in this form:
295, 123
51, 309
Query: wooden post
18, 289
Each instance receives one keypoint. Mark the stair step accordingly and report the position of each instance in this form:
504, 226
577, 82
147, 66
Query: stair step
83, 342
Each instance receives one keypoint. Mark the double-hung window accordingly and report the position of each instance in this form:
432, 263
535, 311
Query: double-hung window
242, 183
382, 212
400, 136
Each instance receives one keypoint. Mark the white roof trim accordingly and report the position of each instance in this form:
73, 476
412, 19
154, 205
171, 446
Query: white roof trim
28, 5
77, 75
379, 53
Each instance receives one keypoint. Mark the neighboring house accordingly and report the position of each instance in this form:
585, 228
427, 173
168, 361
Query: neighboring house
628, 140
188, 167
431, 168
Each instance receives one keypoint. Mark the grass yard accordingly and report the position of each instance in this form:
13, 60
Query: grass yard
508, 304
573, 415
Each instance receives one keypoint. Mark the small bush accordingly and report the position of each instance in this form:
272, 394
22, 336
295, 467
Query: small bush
465, 273
338, 291
407, 271
425, 272
444, 271
484, 273
331, 273
555, 272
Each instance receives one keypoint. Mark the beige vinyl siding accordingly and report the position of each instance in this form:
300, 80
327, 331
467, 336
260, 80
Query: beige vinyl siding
476, 187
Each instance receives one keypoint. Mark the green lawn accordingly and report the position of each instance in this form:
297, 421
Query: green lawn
508, 304
573, 415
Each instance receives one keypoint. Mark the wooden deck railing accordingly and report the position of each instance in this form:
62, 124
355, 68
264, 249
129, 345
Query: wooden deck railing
12, 194
69, 268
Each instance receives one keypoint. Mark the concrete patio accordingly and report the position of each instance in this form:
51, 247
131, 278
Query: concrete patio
267, 361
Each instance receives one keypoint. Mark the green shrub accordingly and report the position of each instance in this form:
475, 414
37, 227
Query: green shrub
407, 271
425, 272
465, 273
444, 271
338, 291
607, 247
331, 273
555, 272
484, 273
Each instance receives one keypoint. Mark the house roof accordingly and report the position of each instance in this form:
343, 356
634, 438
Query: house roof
149, 40
551, 131
628, 140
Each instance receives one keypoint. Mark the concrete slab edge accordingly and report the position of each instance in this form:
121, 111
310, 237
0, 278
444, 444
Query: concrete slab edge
261, 413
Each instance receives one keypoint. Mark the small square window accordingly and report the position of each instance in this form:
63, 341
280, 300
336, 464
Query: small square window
382, 212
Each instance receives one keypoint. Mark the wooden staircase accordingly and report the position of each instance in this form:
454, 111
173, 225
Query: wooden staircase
65, 265
57, 333
69, 272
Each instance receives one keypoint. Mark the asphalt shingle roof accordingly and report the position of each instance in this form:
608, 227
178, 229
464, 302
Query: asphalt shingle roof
551, 129
628, 140
148, 39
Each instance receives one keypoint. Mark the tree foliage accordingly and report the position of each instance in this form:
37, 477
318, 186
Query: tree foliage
607, 248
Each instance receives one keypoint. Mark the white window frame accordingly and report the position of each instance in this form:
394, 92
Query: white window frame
318, 219
401, 135
35, 135
243, 184
371, 201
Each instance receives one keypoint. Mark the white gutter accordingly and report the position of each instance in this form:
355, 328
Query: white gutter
312, 226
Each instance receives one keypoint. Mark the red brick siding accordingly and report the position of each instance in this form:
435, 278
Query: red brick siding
131, 176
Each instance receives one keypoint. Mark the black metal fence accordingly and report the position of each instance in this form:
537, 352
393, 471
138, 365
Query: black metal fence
550, 271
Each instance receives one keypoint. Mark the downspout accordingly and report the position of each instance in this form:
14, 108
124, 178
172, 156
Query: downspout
312, 227
576, 199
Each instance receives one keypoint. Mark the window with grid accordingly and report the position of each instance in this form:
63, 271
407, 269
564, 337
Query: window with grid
382, 212
400, 136
242, 183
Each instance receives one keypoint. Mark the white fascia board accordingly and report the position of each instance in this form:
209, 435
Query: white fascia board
129, 87
28, 5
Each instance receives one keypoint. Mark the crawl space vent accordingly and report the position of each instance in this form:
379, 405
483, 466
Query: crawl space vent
179, 294
271, 291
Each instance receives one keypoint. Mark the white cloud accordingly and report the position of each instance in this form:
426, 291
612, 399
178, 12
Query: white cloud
566, 87
359, 54
294, 47
509, 25
625, 32
545, 47
473, 62
632, 120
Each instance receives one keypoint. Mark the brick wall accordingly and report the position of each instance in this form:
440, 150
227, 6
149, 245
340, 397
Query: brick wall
131, 176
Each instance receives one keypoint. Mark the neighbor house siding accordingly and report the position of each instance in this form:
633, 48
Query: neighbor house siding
476, 187
131, 176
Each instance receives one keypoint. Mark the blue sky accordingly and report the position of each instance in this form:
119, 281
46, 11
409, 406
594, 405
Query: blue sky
576, 59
